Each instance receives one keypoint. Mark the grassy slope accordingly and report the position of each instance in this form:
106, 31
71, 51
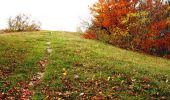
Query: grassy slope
102, 70
129, 73
19, 54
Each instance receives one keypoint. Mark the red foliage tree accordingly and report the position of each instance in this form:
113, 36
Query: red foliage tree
135, 24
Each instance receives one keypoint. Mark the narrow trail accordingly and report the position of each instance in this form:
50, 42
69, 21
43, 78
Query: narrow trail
42, 65
28, 93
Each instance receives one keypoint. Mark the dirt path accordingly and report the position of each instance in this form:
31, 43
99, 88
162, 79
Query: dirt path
36, 79
42, 64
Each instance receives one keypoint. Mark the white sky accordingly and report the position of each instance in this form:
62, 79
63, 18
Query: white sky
53, 14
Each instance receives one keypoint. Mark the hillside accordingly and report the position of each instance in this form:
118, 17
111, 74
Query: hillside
63, 65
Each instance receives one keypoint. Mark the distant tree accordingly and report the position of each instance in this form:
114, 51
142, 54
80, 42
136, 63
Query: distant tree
22, 22
85, 23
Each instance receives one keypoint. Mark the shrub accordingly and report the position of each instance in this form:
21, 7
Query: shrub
168, 56
90, 35
120, 38
22, 22
103, 35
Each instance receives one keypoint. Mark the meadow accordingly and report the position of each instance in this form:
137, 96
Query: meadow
77, 68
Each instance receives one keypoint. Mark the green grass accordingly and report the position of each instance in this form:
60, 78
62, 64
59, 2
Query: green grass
19, 54
103, 70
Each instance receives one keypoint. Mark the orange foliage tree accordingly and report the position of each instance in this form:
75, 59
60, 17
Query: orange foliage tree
134, 24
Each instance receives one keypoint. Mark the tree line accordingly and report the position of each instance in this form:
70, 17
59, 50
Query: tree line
138, 25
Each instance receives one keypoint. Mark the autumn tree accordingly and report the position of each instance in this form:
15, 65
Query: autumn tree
155, 39
134, 24
22, 22
109, 16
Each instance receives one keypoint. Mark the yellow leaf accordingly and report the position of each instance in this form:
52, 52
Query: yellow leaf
108, 78
65, 73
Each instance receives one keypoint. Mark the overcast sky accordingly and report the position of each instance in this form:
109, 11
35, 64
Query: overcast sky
53, 14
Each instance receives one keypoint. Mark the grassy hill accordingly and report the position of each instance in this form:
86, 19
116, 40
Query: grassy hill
78, 69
